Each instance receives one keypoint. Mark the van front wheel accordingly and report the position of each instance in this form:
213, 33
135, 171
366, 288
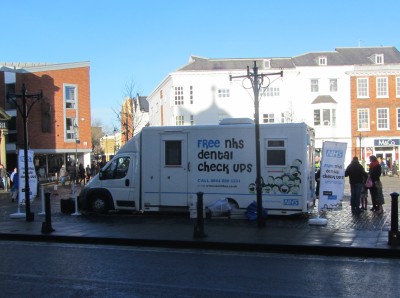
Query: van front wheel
99, 204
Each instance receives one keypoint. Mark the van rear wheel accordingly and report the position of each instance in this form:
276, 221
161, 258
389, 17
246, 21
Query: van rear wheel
99, 204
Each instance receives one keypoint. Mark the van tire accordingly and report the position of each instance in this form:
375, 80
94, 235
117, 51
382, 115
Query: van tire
99, 204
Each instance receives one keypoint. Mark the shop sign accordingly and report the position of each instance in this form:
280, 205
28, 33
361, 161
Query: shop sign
387, 142
3, 124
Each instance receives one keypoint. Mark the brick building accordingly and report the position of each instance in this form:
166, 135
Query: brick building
375, 106
59, 124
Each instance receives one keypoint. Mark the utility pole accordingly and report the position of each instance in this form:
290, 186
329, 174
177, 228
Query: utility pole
257, 81
24, 111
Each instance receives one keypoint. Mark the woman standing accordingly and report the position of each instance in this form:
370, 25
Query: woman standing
375, 171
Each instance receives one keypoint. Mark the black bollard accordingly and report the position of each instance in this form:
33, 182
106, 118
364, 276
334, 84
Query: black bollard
46, 226
394, 224
199, 226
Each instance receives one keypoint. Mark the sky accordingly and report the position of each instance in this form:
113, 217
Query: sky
139, 42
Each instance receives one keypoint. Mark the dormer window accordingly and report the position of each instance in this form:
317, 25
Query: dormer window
379, 59
267, 64
322, 60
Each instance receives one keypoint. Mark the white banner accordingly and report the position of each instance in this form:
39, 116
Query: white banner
33, 180
332, 180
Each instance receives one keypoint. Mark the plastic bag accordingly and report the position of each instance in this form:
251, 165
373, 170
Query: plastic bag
369, 183
252, 213
219, 207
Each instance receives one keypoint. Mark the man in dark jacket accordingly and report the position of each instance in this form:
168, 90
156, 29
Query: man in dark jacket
357, 175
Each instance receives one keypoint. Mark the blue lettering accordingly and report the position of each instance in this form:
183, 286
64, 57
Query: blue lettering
334, 153
208, 143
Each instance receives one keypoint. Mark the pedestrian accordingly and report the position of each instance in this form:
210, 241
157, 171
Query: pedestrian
88, 173
72, 173
375, 172
394, 169
364, 195
14, 195
13, 188
81, 174
317, 182
63, 175
3, 176
356, 174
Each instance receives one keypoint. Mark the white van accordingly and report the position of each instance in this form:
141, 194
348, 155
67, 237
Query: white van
164, 168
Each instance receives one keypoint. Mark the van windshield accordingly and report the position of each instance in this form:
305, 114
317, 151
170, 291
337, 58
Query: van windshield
117, 169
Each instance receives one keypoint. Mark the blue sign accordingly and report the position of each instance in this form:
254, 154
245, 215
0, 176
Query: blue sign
387, 142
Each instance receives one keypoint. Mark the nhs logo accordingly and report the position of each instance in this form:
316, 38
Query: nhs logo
334, 153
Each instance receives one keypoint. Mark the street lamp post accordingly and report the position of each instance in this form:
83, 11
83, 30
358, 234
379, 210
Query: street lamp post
257, 82
25, 110
106, 151
77, 141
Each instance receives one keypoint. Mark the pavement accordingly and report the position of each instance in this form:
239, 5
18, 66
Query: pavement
365, 235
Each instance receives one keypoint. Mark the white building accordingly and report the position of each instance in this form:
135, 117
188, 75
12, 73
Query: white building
315, 89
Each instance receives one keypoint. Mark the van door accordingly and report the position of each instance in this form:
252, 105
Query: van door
173, 170
117, 177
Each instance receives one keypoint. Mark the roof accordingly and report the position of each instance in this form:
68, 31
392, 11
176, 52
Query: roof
200, 63
350, 56
143, 104
339, 57
324, 99
24, 67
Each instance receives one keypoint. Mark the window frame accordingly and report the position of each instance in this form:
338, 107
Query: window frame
323, 120
397, 87
363, 89
224, 93
379, 119
272, 147
382, 87
333, 85
271, 91
70, 134
398, 118
178, 96
314, 85
268, 118
367, 122
173, 153
179, 120
67, 100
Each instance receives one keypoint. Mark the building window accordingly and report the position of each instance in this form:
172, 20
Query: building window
223, 93
275, 150
398, 118
381, 87
191, 120
179, 120
191, 95
268, 118
398, 87
363, 119
70, 132
173, 153
271, 91
362, 88
10, 88
178, 95
382, 119
333, 85
322, 60
70, 96
379, 59
314, 85
267, 64
325, 117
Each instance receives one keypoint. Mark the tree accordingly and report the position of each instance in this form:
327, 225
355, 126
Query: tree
130, 115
